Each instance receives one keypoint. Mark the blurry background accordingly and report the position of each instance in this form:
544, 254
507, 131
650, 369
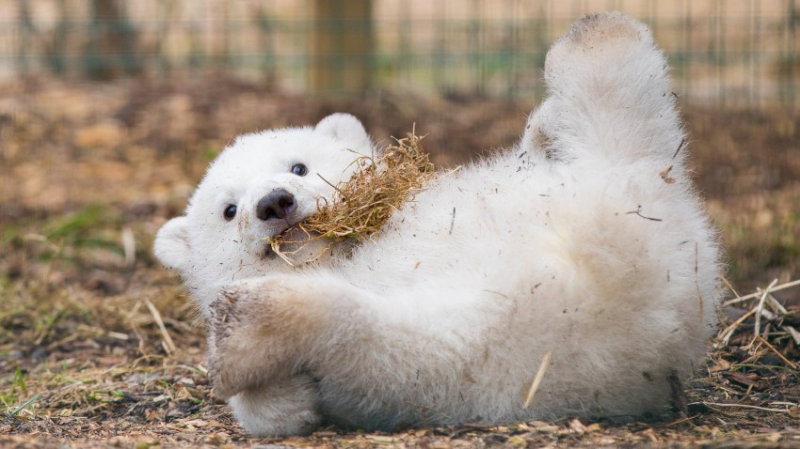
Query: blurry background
732, 52
110, 110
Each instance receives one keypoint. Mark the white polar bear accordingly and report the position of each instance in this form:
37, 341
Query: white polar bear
585, 241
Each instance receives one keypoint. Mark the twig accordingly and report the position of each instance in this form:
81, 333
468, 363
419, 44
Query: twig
787, 404
538, 379
638, 212
760, 307
682, 420
128, 246
776, 306
754, 407
331, 184
683, 142
730, 287
275, 245
135, 329
789, 363
777, 288
496, 293
727, 333
169, 346
793, 332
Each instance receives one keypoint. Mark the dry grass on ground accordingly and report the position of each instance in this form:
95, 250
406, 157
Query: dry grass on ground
100, 346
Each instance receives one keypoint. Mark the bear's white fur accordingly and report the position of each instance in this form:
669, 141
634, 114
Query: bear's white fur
580, 241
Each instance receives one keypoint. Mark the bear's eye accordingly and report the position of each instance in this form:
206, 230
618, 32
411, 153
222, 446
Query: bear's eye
299, 169
230, 212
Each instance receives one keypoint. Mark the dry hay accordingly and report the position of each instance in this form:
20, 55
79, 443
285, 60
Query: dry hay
363, 205
753, 370
143, 395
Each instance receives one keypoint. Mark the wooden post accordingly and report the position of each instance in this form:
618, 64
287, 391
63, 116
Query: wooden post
111, 50
342, 47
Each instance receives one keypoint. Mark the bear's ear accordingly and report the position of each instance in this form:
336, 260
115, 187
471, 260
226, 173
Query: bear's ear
343, 127
172, 244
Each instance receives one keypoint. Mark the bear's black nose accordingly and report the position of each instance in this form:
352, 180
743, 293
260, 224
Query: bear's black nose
277, 205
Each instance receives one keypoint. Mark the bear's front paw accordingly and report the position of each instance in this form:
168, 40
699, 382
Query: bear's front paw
261, 329
286, 407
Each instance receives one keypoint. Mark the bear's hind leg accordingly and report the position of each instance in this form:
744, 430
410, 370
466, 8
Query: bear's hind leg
286, 407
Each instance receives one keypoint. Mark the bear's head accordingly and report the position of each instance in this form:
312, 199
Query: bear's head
256, 188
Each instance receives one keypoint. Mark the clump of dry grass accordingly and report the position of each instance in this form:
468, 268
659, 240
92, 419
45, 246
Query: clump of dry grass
363, 204
764, 325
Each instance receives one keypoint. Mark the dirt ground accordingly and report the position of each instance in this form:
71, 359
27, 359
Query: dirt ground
100, 346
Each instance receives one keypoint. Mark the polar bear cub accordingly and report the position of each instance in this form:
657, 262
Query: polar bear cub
583, 247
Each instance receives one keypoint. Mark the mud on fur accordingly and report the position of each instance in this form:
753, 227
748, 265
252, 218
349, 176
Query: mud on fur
364, 203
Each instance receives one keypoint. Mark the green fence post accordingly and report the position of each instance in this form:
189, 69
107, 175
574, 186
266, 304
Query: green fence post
342, 47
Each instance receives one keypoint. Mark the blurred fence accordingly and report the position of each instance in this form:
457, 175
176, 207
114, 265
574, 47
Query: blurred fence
729, 52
